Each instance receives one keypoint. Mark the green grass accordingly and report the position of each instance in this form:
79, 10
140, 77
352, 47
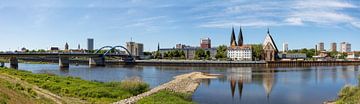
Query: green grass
349, 95
15, 93
167, 97
95, 92
4, 98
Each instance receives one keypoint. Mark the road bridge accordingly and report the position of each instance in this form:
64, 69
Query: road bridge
95, 59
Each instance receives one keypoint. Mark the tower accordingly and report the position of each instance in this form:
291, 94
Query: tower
241, 40
233, 41
66, 46
90, 44
158, 48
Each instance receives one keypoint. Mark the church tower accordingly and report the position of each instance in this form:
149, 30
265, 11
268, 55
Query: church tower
241, 40
233, 39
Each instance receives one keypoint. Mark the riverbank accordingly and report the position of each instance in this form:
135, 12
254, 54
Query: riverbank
180, 88
75, 90
348, 95
13, 92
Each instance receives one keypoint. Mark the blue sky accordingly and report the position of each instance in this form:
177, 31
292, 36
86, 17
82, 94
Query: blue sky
39, 24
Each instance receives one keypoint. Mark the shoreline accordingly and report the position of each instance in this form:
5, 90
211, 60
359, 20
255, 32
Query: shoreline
205, 63
184, 83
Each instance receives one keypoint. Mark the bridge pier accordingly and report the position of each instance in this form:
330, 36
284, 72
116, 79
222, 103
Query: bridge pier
14, 63
64, 62
96, 61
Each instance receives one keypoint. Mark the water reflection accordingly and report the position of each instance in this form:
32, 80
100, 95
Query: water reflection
309, 85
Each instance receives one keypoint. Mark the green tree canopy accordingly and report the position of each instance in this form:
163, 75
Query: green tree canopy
221, 52
257, 51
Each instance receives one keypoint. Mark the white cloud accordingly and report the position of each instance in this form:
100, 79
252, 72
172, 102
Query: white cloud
356, 24
280, 13
321, 12
294, 21
250, 23
323, 4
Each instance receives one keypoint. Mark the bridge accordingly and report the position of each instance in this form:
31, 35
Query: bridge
95, 59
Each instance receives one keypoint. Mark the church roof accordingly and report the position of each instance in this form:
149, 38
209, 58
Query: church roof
233, 38
241, 40
269, 39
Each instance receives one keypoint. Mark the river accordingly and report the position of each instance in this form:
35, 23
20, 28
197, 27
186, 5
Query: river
238, 85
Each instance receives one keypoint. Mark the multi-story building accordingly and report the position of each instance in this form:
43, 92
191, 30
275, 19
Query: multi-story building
181, 46
205, 43
320, 47
333, 47
345, 47
190, 51
239, 51
285, 47
136, 49
90, 44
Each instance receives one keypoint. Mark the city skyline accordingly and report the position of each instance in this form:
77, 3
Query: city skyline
301, 24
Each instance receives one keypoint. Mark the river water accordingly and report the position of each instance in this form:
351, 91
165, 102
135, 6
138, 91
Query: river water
238, 85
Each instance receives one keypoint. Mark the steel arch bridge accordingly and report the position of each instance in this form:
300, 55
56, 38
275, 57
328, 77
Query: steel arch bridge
128, 59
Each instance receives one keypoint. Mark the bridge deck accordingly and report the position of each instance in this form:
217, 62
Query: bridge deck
57, 55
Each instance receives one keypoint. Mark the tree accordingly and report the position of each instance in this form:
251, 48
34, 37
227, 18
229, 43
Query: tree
257, 51
199, 53
157, 55
221, 52
182, 55
207, 55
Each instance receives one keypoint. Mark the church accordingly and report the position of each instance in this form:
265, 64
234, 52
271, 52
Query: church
270, 49
238, 51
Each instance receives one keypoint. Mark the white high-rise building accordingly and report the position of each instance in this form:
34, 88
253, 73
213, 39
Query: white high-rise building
285, 47
345, 47
321, 47
90, 44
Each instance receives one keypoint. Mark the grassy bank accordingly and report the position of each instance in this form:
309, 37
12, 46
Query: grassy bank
349, 95
94, 92
167, 97
14, 93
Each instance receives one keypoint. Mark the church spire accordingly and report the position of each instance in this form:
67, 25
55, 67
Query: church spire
268, 31
158, 48
241, 40
233, 39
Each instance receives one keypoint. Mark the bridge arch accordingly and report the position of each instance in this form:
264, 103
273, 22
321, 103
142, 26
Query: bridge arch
128, 59
119, 52
97, 51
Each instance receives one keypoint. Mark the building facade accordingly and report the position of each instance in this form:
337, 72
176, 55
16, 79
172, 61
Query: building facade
285, 47
345, 47
90, 44
135, 49
270, 49
189, 51
320, 46
205, 43
333, 47
292, 56
239, 51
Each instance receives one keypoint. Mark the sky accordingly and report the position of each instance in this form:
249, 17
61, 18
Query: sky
40, 24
